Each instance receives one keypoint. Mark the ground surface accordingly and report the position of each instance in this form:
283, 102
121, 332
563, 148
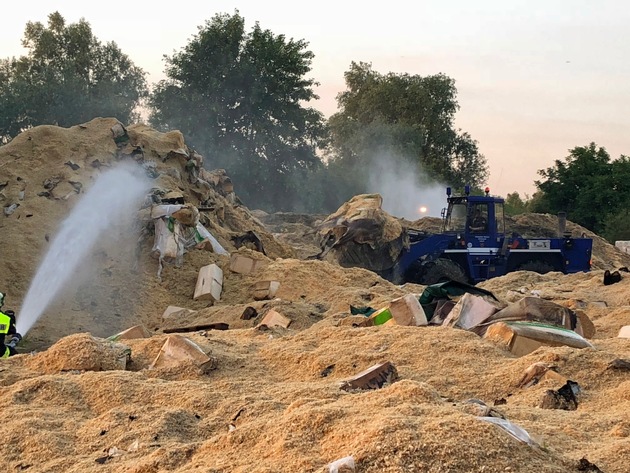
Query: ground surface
273, 403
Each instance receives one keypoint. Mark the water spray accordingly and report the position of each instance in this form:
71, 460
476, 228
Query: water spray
116, 194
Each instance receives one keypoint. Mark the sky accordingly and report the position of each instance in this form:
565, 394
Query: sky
534, 78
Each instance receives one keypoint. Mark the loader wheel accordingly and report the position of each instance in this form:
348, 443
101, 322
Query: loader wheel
441, 270
536, 266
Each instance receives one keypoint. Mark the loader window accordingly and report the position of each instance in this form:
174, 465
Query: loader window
456, 218
478, 218
498, 213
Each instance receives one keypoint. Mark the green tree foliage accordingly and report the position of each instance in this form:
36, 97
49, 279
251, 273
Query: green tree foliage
68, 77
515, 205
587, 185
407, 116
239, 98
617, 225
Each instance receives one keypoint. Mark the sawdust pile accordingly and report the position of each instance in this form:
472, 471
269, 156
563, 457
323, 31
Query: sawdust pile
273, 403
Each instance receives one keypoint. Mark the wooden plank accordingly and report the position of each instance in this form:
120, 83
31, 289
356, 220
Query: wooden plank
195, 328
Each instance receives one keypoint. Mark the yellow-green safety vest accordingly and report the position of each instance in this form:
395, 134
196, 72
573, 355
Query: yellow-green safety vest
5, 324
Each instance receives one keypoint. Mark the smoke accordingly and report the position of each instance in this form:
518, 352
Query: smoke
407, 191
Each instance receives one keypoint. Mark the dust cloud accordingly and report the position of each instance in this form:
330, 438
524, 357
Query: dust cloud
407, 191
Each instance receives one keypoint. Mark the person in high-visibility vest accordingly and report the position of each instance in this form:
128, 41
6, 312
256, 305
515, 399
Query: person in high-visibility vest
7, 327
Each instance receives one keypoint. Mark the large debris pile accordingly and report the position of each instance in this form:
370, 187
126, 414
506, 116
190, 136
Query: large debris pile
251, 359
361, 234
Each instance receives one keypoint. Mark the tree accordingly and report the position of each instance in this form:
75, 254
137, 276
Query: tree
238, 98
408, 116
68, 77
515, 205
587, 185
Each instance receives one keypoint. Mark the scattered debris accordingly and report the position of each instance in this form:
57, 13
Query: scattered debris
178, 349
470, 312
436, 302
514, 430
274, 318
326, 371
624, 332
381, 317
407, 310
374, 377
532, 309
249, 313
479, 408
74, 166
343, 465
196, 328
533, 374
585, 465
232, 424
611, 278
9, 209
619, 364
138, 331
209, 283
262, 290
564, 398
522, 338
245, 265
361, 234
249, 239
175, 312
355, 321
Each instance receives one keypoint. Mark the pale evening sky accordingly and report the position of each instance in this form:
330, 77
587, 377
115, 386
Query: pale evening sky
535, 78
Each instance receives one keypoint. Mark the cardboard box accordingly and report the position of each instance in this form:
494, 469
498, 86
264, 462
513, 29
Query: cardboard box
407, 310
178, 349
139, 331
171, 310
624, 332
209, 283
470, 311
274, 318
380, 317
522, 338
244, 265
265, 290
372, 378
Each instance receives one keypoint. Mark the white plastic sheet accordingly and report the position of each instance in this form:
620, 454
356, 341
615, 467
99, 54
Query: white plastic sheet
347, 462
205, 234
516, 431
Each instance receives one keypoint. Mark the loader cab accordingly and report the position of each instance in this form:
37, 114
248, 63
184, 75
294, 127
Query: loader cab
478, 221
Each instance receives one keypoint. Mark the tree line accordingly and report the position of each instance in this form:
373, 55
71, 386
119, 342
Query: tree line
241, 99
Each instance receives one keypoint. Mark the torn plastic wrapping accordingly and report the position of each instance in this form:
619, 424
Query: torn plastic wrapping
343, 464
164, 210
167, 243
516, 431
206, 235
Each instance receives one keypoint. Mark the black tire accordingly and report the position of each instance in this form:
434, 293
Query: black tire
536, 266
441, 270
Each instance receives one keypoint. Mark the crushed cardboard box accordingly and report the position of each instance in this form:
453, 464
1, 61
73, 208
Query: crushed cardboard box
522, 338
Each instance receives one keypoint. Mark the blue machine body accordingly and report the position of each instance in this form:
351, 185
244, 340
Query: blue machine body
474, 239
